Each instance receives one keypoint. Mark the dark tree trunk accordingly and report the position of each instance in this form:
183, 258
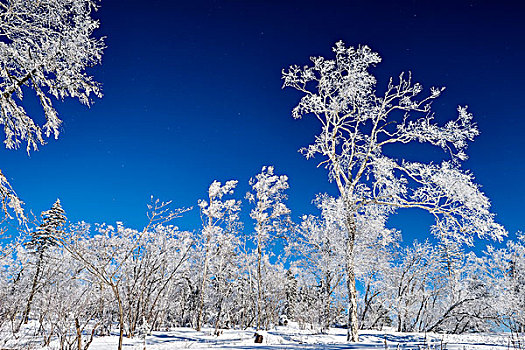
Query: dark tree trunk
25, 317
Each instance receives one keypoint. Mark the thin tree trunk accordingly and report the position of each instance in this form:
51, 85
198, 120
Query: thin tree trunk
120, 316
259, 277
219, 314
326, 311
365, 309
79, 334
91, 337
25, 317
203, 284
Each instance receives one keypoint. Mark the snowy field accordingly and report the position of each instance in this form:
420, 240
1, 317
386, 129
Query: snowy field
291, 338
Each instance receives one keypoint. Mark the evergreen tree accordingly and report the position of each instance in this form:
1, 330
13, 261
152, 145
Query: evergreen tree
44, 237
47, 233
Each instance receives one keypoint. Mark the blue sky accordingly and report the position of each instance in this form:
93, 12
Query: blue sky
193, 93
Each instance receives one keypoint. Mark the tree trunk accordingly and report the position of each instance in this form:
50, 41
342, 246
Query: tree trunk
368, 301
219, 314
326, 309
259, 277
79, 334
25, 317
352, 330
203, 284
120, 316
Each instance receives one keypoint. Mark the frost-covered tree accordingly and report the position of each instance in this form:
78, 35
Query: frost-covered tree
270, 215
245, 285
45, 236
225, 270
358, 124
514, 282
218, 218
273, 291
109, 254
433, 288
64, 308
45, 48
316, 246
14, 283
105, 256
50, 231
409, 284
461, 296
319, 256
505, 269
158, 261
374, 255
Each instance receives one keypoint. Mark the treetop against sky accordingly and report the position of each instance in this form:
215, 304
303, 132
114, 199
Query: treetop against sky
192, 93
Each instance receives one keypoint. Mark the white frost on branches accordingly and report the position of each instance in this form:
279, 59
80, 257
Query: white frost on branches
215, 210
45, 46
10, 201
271, 218
357, 123
220, 220
268, 197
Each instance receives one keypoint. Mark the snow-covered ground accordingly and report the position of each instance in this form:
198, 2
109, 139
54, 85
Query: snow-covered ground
292, 338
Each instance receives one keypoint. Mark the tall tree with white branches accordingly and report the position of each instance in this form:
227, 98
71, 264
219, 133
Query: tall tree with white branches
270, 215
217, 216
358, 124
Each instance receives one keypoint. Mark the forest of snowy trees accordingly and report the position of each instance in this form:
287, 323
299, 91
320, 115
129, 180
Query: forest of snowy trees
342, 267
77, 281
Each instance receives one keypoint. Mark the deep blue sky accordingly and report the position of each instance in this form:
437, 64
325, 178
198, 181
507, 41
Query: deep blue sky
193, 93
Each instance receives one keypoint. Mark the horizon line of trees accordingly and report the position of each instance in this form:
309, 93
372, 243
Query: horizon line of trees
71, 282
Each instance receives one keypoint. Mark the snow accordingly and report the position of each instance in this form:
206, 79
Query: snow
294, 338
